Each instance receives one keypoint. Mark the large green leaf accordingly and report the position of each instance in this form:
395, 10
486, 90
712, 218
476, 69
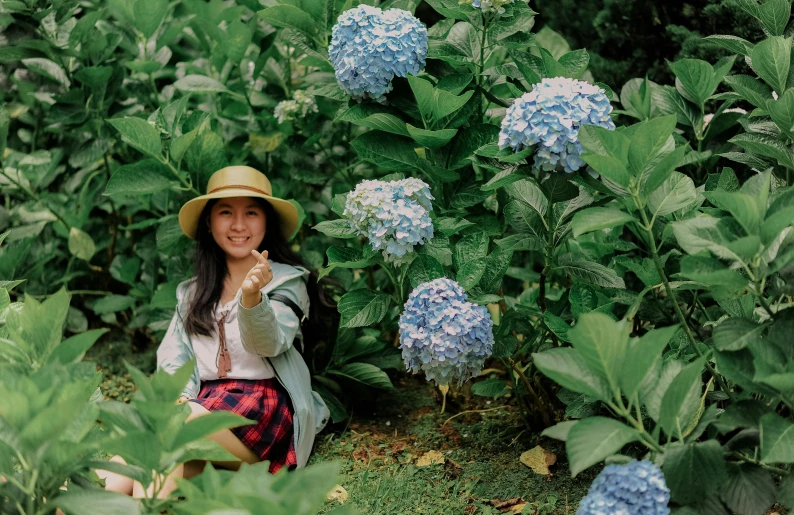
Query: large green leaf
594, 439
677, 192
648, 139
424, 268
752, 89
693, 471
81, 245
140, 178
737, 333
602, 343
365, 373
138, 134
388, 151
569, 369
200, 84
96, 501
694, 79
360, 308
772, 60
782, 112
73, 349
374, 117
149, 14
681, 400
749, 489
642, 354
290, 17
774, 16
589, 271
777, 439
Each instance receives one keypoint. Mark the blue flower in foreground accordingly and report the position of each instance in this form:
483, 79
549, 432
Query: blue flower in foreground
637, 488
393, 215
369, 47
444, 335
550, 116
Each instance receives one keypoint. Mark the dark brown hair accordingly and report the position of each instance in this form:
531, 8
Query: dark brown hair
210, 272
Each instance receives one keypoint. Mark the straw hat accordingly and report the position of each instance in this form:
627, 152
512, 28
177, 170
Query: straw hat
238, 181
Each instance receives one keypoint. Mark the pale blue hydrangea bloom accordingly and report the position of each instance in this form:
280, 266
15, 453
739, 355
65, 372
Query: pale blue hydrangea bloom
443, 335
299, 107
369, 47
550, 116
393, 215
488, 6
636, 488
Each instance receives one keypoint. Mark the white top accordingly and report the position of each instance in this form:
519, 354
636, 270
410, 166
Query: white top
245, 365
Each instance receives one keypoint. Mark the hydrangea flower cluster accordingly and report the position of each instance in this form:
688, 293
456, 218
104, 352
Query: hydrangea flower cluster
444, 335
636, 488
550, 116
369, 47
393, 215
488, 6
301, 105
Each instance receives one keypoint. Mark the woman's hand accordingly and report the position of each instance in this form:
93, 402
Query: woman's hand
182, 399
258, 277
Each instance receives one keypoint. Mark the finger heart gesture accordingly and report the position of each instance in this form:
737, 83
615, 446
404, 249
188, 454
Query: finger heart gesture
259, 276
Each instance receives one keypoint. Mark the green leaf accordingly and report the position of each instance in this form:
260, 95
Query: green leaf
200, 84
737, 333
113, 304
594, 273
693, 471
749, 489
695, 80
387, 151
597, 218
774, 16
643, 353
48, 69
560, 431
677, 192
365, 373
568, 368
360, 308
575, 63
471, 247
493, 388
742, 206
73, 349
374, 117
339, 228
96, 501
470, 273
149, 14
777, 439
765, 146
732, 44
771, 61
207, 425
648, 139
424, 268
431, 139
5, 122
138, 134
782, 112
752, 89
602, 343
663, 169
81, 245
423, 92
594, 439
140, 178
290, 17
681, 400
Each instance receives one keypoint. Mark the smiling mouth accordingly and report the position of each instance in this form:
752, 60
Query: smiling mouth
239, 240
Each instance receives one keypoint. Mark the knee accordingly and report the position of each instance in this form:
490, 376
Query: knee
196, 410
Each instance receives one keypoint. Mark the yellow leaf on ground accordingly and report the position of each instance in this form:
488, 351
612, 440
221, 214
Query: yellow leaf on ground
338, 494
430, 458
539, 460
518, 508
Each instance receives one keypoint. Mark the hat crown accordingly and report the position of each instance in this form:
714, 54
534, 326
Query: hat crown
239, 177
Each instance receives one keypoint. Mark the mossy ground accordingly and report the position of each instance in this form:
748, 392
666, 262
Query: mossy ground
481, 473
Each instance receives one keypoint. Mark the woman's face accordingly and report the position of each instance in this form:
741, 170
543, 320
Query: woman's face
238, 226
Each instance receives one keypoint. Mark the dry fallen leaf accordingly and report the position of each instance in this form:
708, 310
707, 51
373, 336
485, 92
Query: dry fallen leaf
430, 458
539, 460
338, 494
518, 508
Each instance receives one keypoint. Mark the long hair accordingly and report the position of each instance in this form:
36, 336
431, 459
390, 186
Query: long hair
210, 272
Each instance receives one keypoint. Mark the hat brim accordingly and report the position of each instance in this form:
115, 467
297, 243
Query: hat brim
191, 211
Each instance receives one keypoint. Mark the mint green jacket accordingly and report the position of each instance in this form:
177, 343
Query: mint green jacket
268, 329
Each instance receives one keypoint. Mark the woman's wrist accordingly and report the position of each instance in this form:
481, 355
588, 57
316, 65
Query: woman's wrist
250, 300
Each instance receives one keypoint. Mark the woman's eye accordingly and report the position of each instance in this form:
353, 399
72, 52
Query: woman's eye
253, 213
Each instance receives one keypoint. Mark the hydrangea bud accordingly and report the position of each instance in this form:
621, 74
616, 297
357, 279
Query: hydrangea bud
442, 334
369, 47
636, 488
488, 6
550, 117
393, 215
299, 107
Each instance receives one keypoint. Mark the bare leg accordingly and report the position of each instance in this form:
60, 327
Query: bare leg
226, 438
116, 482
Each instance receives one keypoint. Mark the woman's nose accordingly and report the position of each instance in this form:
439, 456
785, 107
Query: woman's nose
239, 221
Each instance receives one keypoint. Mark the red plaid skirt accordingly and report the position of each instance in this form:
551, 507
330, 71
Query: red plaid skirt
264, 400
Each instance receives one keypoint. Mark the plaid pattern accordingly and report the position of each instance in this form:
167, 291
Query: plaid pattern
264, 400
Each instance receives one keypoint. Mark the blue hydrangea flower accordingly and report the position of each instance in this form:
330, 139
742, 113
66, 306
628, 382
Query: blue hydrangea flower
442, 334
636, 488
550, 116
393, 215
369, 47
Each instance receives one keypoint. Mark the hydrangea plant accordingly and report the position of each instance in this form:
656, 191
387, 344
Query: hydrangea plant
393, 215
369, 47
636, 488
488, 6
550, 117
444, 335
299, 107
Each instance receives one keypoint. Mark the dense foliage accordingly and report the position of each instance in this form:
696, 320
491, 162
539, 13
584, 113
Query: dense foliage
627, 258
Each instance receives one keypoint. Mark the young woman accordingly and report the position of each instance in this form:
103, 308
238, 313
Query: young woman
242, 340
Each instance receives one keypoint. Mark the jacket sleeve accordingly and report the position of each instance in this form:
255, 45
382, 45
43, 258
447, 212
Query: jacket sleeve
269, 328
174, 352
